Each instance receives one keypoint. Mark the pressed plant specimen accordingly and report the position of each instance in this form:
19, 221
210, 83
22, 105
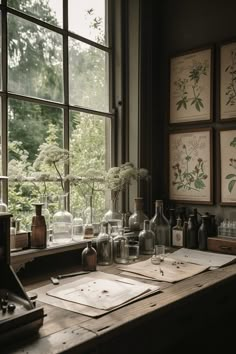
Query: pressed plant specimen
189, 88
189, 174
232, 163
231, 86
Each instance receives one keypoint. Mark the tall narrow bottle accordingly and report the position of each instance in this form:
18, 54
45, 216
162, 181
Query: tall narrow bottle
203, 234
62, 222
160, 226
192, 233
104, 247
38, 228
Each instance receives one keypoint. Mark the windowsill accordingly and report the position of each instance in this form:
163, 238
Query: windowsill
19, 258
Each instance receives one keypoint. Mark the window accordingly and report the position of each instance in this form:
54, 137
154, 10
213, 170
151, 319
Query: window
56, 90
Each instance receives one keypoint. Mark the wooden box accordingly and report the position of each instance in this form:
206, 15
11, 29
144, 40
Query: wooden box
222, 245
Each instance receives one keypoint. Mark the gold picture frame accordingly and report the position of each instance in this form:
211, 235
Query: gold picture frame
190, 166
191, 86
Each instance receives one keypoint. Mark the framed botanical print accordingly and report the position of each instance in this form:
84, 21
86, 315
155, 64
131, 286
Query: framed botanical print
191, 87
190, 166
228, 166
228, 81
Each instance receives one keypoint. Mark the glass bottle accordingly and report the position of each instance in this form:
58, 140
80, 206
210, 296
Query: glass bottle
62, 222
89, 257
113, 216
203, 233
13, 234
104, 247
3, 206
146, 239
192, 234
178, 234
77, 227
38, 228
136, 219
160, 226
172, 218
46, 214
121, 248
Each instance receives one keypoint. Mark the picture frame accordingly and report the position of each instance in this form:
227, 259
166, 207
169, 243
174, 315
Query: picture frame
191, 86
228, 81
190, 166
227, 147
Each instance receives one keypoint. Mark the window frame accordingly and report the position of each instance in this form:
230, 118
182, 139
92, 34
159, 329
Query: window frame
65, 106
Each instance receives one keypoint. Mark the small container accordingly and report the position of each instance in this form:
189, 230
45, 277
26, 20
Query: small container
133, 250
159, 254
89, 257
146, 239
38, 228
104, 247
121, 248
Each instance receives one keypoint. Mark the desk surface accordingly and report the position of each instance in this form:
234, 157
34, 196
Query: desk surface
68, 332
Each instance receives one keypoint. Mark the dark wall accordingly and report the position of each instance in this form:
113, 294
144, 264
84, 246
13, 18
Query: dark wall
179, 26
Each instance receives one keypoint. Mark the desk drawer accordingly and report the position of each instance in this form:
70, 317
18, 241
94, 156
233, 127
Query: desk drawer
222, 245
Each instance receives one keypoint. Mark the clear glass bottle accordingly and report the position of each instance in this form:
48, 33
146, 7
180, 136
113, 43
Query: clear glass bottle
203, 233
46, 214
77, 227
178, 234
13, 234
113, 216
104, 247
3, 206
89, 257
121, 248
62, 222
136, 219
38, 228
160, 226
146, 239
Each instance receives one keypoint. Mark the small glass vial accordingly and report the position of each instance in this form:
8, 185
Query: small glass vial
89, 257
121, 248
136, 220
146, 239
104, 247
177, 234
13, 234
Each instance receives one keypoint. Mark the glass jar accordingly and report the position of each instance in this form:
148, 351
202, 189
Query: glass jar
121, 248
62, 222
89, 257
146, 239
136, 219
104, 247
160, 226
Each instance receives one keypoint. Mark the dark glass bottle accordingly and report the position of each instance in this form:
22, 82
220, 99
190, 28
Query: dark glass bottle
159, 224
38, 228
89, 257
172, 220
196, 218
185, 233
203, 233
192, 235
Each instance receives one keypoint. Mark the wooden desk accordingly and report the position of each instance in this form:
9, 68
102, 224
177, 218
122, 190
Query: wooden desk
177, 320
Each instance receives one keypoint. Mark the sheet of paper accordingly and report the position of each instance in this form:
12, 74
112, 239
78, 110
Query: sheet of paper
103, 294
84, 309
170, 270
204, 258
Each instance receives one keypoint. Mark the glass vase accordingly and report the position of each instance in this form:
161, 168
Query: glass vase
113, 216
62, 222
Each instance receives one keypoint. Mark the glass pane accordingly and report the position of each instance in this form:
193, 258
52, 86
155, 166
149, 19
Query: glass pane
46, 10
87, 18
89, 145
0, 50
32, 128
35, 66
88, 76
0, 136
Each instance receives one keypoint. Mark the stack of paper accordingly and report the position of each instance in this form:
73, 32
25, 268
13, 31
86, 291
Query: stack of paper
95, 294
